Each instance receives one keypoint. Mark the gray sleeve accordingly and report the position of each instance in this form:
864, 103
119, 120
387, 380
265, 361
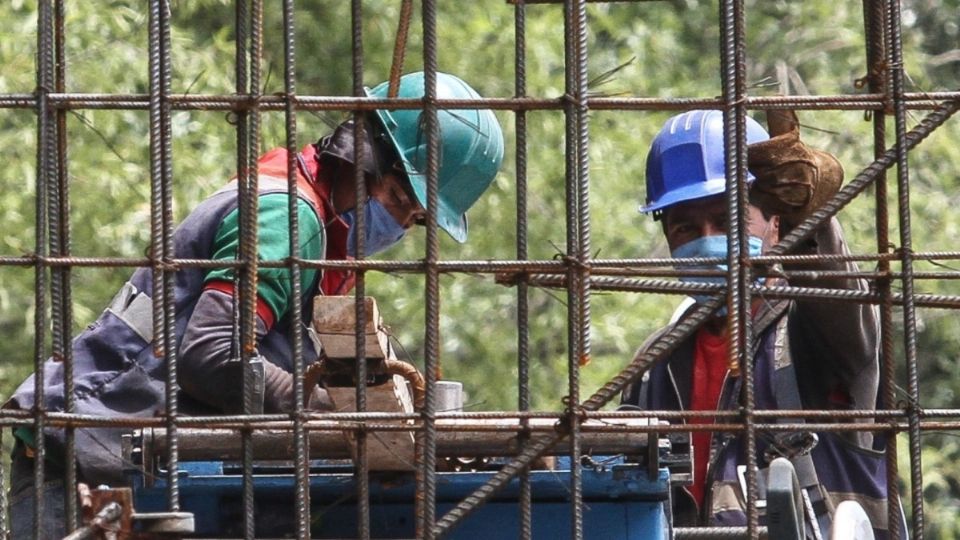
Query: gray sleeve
840, 337
210, 372
208, 369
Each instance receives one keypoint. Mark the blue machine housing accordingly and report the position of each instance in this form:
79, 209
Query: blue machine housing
620, 501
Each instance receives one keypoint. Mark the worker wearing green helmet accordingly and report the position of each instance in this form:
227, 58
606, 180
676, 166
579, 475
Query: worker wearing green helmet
119, 346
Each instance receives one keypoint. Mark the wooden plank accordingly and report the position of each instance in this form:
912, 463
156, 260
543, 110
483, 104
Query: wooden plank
334, 326
386, 450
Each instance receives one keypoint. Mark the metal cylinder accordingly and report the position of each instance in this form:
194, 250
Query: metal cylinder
455, 438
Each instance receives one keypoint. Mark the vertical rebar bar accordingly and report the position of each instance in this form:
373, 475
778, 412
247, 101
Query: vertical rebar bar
46, 173
399, 47
245, 280
739, 328
249, 248
361, 471
578, 237
300, 438
161, 232
523, 304
62, 297
874, 26
895, 54
426, 487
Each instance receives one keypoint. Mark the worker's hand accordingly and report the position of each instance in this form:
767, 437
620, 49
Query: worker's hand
792, 179
278, 392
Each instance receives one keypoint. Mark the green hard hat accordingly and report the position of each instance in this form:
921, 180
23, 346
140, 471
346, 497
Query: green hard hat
471, 147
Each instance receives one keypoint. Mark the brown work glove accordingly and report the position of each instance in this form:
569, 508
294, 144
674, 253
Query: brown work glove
278, 392
792, 179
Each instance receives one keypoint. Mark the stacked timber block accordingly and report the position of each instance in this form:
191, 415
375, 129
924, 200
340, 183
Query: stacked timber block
334, 330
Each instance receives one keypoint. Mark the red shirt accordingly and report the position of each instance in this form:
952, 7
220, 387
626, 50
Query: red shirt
709, 372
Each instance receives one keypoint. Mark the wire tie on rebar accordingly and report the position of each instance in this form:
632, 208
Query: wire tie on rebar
511, 279
572, 261
563, 423
572, 100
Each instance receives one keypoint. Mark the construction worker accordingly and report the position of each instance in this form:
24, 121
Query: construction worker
116, 371
805, 353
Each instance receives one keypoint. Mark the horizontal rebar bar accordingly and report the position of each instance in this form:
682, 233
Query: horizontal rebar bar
278, 102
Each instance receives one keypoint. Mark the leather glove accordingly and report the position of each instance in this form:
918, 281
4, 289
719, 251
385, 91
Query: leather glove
278, 392
792, 179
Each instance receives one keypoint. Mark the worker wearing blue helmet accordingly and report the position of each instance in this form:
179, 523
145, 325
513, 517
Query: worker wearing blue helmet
806, 354
116, 370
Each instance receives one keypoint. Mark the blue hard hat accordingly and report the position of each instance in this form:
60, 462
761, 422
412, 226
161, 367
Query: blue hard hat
686, 160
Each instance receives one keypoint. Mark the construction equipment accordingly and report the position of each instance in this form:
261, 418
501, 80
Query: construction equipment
627, 470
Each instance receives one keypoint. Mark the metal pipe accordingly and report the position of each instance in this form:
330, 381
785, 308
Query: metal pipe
454, 439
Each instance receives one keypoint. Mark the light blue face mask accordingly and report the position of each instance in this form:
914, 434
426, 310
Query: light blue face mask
712, 247
382, 230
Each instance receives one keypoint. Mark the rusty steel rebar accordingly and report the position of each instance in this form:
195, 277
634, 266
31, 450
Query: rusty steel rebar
575, 270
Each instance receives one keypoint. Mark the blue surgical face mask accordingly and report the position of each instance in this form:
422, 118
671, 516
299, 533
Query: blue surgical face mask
712, 247
382, 230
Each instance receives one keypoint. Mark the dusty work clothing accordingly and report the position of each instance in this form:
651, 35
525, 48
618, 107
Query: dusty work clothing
806, 354
116, 370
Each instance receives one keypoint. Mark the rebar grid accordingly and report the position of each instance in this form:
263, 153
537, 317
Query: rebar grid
578, 273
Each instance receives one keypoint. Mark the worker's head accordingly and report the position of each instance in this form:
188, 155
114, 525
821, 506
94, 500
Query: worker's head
391, 207
394, 152
686, 186
470, 147
686, 179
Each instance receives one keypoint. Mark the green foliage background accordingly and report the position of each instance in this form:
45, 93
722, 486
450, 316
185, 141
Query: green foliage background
665, 49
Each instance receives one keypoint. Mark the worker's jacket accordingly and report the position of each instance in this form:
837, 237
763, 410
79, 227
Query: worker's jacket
806, 354
116, 370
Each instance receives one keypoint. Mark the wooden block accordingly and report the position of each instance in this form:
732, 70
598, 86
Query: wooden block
334, 326
386, 450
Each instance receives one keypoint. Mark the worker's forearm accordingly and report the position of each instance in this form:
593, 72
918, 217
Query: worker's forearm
209, 369
847, 329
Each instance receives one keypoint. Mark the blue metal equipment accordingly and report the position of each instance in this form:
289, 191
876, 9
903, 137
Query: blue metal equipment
624, 497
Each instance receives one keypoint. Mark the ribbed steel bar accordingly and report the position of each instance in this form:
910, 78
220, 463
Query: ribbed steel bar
408, 422
242, 123
719, 533
538, 445
502, 268
399, 48
766, 292
46, 174
578, 239
229, 102
895, 59
874, 16
426, 486
245, 279
739, 328
523, 290
301, 441
361, 472
61, 292
241, 76
161, 217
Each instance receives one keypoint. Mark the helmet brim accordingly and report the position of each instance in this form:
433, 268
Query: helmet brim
692, 192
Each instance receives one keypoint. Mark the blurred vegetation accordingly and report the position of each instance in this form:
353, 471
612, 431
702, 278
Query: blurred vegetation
663, 49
